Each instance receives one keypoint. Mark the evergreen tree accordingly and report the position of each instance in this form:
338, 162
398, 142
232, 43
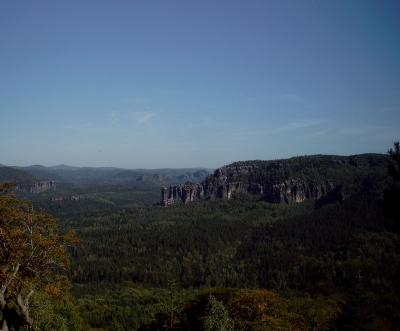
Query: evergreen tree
392, 195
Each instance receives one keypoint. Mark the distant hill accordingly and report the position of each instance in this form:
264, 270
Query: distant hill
46, 174
109, 175
166, 176
23, 178
127, 175
198, 175
32, 167
63, 167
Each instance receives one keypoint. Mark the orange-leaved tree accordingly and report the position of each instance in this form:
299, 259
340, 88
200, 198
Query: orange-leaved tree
29, 246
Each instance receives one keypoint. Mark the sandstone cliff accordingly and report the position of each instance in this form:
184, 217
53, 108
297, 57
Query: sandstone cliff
288, 192
42, 186
222, 185
297, 191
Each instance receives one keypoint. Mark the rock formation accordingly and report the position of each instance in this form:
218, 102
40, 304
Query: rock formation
220, 186
42, 186
297, 191
225, 172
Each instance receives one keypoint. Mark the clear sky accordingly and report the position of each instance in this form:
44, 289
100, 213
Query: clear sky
153, 84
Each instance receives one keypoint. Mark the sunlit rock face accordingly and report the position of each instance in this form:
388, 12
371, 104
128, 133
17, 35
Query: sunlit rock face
297, 191
288, 192
42, 186
181, 193
221, 185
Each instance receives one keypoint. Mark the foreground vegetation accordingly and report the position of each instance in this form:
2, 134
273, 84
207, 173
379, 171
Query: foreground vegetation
30, 291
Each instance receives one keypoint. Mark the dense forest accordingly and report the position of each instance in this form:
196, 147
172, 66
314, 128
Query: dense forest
237, 264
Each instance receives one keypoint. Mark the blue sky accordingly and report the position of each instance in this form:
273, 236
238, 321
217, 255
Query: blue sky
153, 84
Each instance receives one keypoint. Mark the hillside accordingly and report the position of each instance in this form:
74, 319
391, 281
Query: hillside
24, 179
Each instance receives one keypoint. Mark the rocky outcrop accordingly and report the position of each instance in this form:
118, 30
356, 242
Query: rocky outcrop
218, 186
297, 191
288, 192
42, 186
228, 172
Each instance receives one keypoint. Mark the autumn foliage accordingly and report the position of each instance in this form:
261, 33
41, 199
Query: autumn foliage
30, 246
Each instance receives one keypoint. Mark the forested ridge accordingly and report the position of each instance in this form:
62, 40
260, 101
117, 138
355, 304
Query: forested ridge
342, 169
244, 263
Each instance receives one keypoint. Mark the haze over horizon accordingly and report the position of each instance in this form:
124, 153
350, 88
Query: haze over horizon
181, 84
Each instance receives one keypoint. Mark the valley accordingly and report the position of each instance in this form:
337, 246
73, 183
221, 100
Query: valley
299, 243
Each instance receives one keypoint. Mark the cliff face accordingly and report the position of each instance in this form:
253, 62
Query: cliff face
42, 186
297, 191
287, 192
218, 186
189, 192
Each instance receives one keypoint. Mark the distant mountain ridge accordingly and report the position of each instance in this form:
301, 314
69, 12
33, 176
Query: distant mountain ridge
67, 167
63, 167
108, 175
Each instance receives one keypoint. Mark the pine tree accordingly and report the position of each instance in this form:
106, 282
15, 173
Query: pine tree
392, 195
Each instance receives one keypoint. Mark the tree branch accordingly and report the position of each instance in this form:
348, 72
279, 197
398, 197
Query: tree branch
24, 307
6, 283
